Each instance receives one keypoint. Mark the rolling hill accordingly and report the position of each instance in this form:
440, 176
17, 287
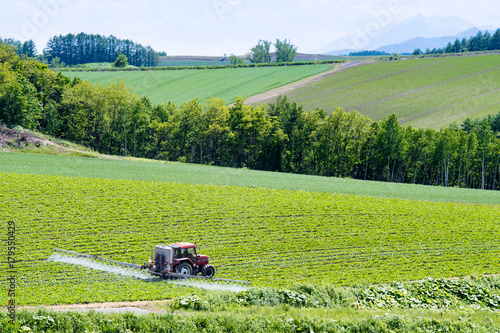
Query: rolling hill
180, 86
247, 222
187, 61
149, 170
428, 93
246, 231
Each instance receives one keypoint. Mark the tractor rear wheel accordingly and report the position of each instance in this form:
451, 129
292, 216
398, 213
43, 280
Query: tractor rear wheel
208, 271
184, 268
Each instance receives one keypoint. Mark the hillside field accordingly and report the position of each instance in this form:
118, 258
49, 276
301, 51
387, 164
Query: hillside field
270, 237
180, 86
428, 93
117, 168
186, 61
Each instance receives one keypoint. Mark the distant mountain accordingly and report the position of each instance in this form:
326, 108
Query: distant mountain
395, 33
429, 43
342, 52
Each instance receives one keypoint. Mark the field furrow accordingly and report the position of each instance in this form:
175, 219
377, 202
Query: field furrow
270, 237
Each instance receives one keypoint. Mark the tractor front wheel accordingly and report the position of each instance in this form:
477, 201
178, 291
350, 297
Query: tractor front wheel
184, 268
208, 271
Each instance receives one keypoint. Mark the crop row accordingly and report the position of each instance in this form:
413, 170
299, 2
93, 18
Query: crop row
186, 66
423, 93
182, 86
270, 237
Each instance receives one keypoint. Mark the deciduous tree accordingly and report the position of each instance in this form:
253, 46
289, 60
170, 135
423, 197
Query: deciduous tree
235, 60
121, 61
285, 51
260, 53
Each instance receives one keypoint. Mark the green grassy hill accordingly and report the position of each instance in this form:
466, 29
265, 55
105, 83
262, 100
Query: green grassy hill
431, 92
246, 221
116, 168
183, 85
186, 61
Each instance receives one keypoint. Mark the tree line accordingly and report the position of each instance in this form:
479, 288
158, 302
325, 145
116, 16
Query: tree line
367, 53
479, 42
87, 48
28, 48
280, 136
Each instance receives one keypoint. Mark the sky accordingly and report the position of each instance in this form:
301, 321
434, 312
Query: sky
218, 27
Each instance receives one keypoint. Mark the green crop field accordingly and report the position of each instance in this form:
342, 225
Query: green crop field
187, 61
431, 92
190, 63
201, 174
180, 86
267, 236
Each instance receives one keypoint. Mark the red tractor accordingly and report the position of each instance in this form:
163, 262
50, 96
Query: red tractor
178, 259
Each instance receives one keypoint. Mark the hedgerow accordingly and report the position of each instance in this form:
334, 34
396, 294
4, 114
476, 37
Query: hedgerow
175, 68
46, 321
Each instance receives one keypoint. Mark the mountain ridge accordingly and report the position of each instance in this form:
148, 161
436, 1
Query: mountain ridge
417, 26
429, 43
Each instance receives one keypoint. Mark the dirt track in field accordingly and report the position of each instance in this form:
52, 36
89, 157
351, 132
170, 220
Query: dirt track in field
137, 307
304, 82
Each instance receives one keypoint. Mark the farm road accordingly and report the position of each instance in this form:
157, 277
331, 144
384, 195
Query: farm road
304, 82
137, 307
133, 310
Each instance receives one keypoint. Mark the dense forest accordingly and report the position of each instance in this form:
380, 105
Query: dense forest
480, 42
279, 137
84, 48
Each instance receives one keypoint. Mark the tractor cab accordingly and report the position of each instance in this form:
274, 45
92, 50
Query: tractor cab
186, 252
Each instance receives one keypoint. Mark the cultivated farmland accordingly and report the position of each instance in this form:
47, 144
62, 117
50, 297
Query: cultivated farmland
270, 237
202, 174
431, 92
180, 86
187, 61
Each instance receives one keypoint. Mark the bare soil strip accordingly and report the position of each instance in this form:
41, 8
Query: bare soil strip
13, 140
304, 82
138, 307
16, 139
